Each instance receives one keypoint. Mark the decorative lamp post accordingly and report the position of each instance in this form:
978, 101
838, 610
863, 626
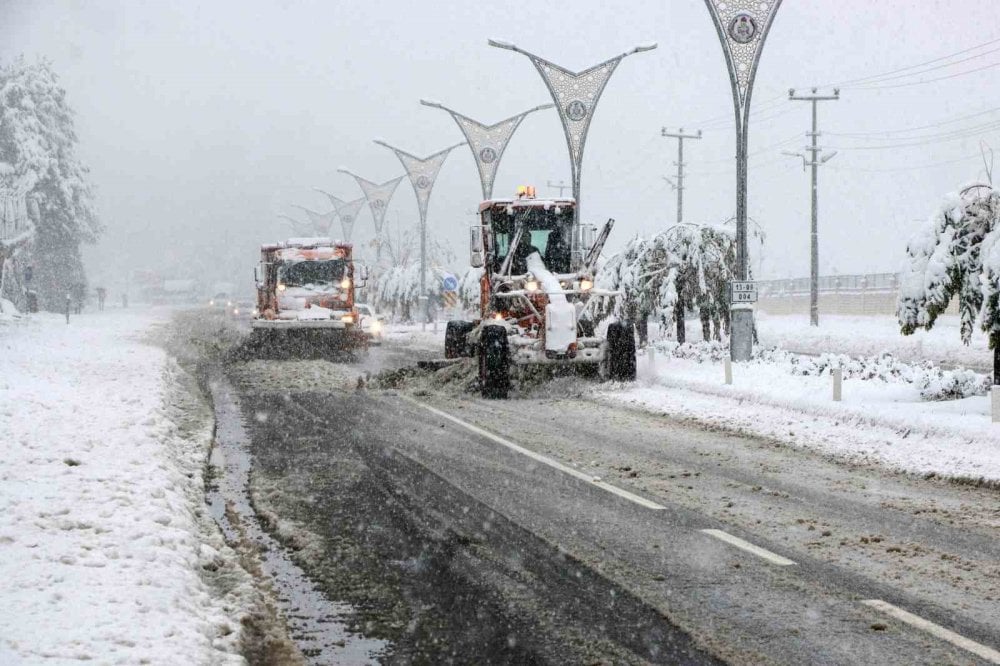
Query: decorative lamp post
422, 172
347, 211
378, 197
487, 142
575, 95
742, 26
321, 222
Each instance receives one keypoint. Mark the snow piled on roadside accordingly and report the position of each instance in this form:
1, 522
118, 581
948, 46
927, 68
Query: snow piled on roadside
100, 495
878, 422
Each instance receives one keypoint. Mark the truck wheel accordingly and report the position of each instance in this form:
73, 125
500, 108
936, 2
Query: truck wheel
494, 362
456, 342
621, 353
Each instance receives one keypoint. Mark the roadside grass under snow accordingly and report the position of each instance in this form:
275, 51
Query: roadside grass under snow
105, 547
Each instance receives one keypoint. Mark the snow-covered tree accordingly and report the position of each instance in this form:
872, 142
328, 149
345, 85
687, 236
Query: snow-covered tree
396, 288
687, 267
956, 254
38, 155
469, 289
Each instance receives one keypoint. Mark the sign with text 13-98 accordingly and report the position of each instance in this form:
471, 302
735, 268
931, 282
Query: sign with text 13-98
743, 292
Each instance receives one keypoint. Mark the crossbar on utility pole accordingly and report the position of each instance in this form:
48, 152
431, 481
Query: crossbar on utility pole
815, 162
680, 136
559, 186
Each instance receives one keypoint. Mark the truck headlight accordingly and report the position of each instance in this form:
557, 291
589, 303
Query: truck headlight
347, 318
531, 285
586, 285
345, 283
281, 286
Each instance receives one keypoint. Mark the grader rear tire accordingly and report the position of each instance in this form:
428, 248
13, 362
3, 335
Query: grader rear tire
494, 363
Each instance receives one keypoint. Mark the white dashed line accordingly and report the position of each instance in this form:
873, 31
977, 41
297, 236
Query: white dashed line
641, 501
987, 653
773, 558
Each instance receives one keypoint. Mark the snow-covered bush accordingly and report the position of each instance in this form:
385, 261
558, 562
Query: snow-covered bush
933, 382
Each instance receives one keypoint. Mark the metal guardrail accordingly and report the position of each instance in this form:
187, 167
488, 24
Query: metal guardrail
830, 284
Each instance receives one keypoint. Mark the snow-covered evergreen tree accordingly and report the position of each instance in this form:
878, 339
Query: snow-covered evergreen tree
956, 254
38, 155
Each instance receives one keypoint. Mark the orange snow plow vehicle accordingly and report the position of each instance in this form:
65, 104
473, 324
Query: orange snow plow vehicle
305, 296
537, 295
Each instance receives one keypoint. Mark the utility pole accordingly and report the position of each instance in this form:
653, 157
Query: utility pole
559, 186
680, 136
815, 161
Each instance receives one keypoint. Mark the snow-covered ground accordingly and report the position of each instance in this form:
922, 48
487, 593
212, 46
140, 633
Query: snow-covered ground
884, 422
870, 336
105, 547
422, 336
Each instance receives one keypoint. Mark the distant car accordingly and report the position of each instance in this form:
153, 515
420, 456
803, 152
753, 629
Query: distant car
372, 323
221, 301
240, 309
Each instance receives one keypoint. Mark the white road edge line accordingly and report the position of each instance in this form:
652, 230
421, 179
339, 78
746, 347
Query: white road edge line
987, 653
773, 558
641, 501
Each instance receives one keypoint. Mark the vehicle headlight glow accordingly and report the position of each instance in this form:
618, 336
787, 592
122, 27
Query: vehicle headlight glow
586, 285
347, 319
236, 311
281, 286
345, 283
531, 285
376, 326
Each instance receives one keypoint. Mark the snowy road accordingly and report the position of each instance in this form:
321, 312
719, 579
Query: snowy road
577, 530
498, 500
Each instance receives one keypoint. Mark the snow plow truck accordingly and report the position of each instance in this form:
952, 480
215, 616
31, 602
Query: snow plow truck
305, 297
537, 295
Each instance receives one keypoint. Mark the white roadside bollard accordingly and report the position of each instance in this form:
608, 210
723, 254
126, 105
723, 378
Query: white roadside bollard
651, 355
838, 383
729, 371
995, 403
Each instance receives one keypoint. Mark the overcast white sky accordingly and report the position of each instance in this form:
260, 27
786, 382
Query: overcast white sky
203, 120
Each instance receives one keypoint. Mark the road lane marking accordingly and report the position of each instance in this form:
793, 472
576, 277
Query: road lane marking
773, 558
978, 649
641, 501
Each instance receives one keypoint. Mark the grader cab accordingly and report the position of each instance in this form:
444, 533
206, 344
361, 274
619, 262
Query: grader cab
537, 295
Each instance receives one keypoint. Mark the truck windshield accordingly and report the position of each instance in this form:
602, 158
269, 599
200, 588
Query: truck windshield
546, 232
308, 273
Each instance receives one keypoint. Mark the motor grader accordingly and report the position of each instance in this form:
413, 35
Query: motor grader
537, 296
305, 298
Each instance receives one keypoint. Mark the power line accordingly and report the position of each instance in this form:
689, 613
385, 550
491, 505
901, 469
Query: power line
926, 81
914, 129
954, 133
955, 136
864, 79
916, 167
924, 71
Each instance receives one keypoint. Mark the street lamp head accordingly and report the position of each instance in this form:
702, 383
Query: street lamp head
836, 92
430, 102
645, 47
500, 44
791, 92
699, 134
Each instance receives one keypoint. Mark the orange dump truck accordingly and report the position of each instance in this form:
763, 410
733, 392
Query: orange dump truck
305, 291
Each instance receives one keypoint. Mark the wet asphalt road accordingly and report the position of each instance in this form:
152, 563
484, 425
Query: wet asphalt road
459, 549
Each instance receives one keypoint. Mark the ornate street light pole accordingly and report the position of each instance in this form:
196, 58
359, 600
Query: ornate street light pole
347, 211
321, 222
487, 142
422, 172
378, 197
742, 26
575, 95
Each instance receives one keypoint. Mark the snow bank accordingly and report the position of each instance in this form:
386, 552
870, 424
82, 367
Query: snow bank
879, 422
101, 501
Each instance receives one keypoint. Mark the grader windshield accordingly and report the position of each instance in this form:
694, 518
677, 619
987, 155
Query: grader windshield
548, 230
